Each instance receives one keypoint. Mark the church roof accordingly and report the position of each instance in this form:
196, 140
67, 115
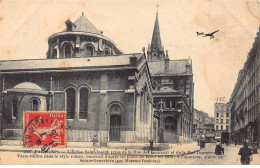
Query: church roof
82, 24
175, 67
27, 85
69, 64
82, 27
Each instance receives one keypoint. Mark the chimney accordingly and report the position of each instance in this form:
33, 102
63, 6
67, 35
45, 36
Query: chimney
166, 60
188, 65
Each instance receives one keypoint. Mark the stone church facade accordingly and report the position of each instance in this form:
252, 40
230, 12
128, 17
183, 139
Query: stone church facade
103, 91
173, 90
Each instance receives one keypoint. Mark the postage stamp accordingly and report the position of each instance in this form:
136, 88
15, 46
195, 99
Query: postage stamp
44, 129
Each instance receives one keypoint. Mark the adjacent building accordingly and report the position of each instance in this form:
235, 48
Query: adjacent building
103, 91
203, 126
245, 99
222, 119
173, 90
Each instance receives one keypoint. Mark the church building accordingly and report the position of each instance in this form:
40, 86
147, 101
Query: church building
173, 90
103, 91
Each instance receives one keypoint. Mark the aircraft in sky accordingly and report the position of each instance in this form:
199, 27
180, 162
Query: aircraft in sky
211, 35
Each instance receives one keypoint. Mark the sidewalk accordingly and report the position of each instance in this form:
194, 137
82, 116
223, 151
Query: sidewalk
173, 149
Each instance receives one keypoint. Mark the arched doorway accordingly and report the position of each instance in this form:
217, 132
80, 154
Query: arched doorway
114, 132
115, 122
170, 124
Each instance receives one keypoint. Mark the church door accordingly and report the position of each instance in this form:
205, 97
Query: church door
114, 132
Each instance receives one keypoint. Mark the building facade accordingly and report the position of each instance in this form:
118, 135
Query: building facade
245, 98
222, 119
203, 126
103, 91
173, 92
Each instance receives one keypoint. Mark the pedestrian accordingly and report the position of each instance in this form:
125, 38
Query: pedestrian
235, 141
95, 141
227, 141
219, 150
202, 144
247, 141
151, 148
245, 153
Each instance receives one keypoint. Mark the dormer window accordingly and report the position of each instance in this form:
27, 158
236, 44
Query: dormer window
69, 25
69, 28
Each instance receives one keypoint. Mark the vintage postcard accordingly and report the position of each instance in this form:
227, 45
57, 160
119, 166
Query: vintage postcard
129, 82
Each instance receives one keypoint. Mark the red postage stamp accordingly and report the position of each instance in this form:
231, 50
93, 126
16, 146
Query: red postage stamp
44, 129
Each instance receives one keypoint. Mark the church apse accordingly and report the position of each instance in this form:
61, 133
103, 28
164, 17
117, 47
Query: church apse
80, 39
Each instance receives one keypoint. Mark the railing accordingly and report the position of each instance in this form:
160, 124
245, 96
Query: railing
128, 134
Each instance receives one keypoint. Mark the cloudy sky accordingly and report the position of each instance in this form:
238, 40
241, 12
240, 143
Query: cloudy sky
26, 25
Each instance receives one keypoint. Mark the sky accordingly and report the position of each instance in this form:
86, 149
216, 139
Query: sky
26, 25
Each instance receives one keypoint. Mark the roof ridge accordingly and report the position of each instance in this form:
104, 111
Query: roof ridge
179, 60
70, 57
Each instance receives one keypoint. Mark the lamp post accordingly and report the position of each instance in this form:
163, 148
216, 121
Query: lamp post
161, 120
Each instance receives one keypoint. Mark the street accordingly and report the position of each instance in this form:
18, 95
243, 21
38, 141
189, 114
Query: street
206, 156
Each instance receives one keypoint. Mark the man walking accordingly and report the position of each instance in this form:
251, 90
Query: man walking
202, 144
245, 153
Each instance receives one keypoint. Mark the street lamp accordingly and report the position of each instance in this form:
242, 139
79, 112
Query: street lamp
161, 120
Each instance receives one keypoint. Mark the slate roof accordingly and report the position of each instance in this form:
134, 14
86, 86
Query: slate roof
175, 67
67, 63
27, 85
82, 24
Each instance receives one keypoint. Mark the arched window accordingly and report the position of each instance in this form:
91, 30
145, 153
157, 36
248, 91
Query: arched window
83, 110
67, 50
115, 109
70, 103
14, 107
54, 54
107, 52
89, 50
35, 103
